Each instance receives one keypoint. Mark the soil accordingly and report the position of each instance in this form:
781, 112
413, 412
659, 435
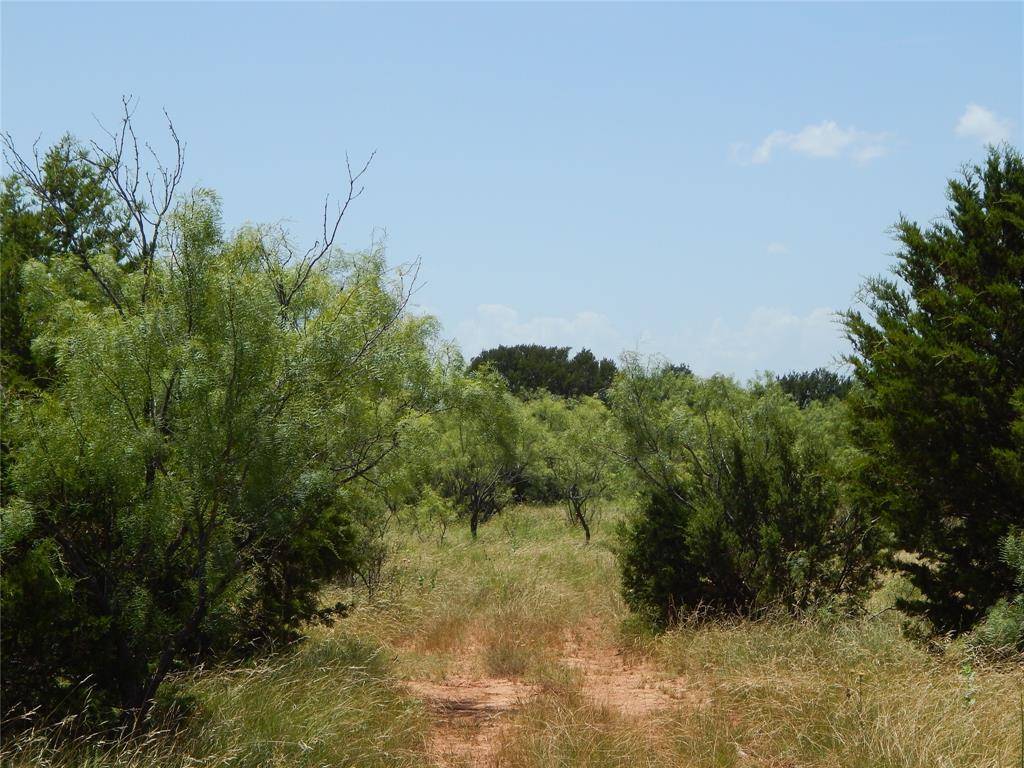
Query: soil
470, 713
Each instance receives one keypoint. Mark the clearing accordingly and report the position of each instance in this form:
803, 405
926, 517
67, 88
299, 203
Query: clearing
522, 653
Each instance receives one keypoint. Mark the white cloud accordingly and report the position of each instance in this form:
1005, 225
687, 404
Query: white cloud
495, 324
984, 125
769, 338
777, 248
826, 139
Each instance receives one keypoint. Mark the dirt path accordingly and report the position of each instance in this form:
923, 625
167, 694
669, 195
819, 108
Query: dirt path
468, 716
627, 687
470, 713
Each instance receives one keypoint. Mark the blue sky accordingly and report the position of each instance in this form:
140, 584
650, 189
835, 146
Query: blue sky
706, 182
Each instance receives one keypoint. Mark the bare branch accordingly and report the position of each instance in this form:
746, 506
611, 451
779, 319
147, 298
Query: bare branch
330, 228
122, 167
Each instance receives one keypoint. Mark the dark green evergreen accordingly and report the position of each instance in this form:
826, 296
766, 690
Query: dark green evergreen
939, 356
817, 386
530, 367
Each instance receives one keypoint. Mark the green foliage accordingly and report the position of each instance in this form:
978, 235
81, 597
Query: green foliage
817, 386
20, 241
743, 499
579, 453
70, 212
185, 484
1002, 630
476, 449
531, 367
939, 355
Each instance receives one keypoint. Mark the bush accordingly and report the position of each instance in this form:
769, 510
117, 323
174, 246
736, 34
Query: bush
742, 499
179, 488
1002, 631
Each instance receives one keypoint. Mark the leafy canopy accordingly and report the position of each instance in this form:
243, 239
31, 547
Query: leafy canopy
531, 367
185, 484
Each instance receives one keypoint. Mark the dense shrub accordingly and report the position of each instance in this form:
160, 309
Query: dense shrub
939, 356
742, 499
180, 486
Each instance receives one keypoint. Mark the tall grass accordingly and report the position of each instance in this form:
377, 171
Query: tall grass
785, 693
500, 605
331, 702
778, 693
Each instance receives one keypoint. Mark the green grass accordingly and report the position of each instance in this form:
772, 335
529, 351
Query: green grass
331, 702
500, 605
776, 693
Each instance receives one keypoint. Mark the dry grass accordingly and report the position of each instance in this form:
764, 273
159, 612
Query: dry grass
499, 606
786, 694
851, 694
776, 693
329, 703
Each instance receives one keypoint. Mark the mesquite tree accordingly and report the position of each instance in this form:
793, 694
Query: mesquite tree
181, 485
474, 456
579, 450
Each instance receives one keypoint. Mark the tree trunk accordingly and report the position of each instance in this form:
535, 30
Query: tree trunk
576, 502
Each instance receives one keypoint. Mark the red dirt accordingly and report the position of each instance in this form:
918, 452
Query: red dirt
470, 713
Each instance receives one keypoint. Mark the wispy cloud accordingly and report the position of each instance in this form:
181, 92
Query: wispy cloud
826, 139
495, 324
777, 248
768, 338
983, 125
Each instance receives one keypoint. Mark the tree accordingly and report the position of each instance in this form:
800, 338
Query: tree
21, 240
579, 451
59, 205
475, 457
184, 486
817, 386
744, 501
938, 351
531, 367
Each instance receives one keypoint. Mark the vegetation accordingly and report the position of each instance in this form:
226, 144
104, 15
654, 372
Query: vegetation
180, 488
475, 457
232, 470
530, 367
745, 501
938, 356
525, 608
580, 454
1002, 631
817, 386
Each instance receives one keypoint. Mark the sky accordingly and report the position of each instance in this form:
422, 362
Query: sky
709, 183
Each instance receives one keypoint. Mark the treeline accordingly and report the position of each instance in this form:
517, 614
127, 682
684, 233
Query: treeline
203, 428
531, 367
